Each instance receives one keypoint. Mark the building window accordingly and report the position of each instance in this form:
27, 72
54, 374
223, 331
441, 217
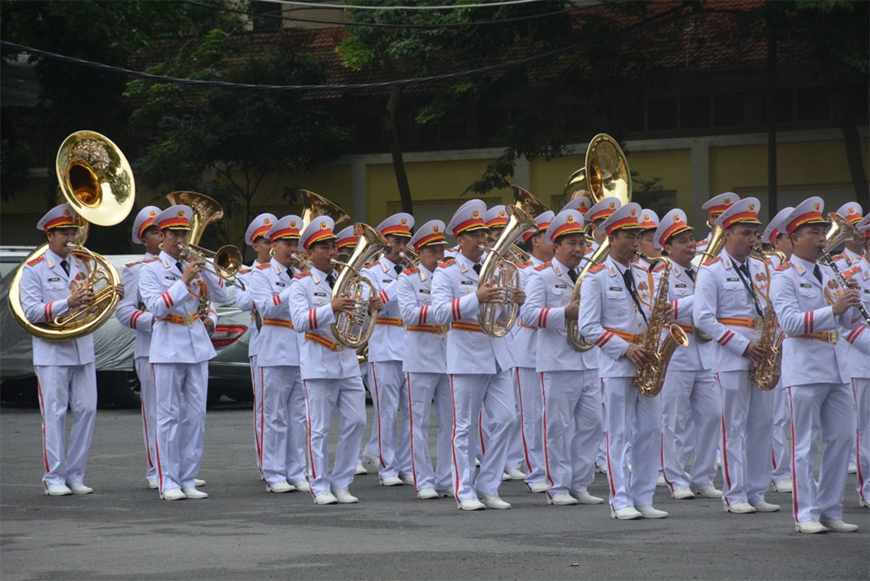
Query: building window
729, 109
812, 104
662, 114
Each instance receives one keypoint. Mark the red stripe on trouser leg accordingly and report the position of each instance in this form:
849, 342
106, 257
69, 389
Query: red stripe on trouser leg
145, 424
546, 445
411, 420
157, 440
453, 443
44, 444
310, 448
725, 471
858, 445
378, 411
794, 481
262, 428
526, 454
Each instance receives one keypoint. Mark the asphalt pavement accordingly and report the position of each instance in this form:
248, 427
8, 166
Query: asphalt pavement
124, 532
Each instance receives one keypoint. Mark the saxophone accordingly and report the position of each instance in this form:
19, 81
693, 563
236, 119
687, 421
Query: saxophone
651, 377
766, 374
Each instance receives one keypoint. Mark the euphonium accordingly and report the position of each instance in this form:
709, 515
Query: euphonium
499, 271
96, 180
354, 329
651, 377
841, 231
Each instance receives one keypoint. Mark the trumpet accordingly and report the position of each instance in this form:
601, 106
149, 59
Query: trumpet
224, 262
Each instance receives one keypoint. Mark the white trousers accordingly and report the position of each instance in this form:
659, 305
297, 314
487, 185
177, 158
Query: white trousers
516, 454
690, 398
423, 388
494, 394
532, 412
181, 398
572, 427
601, 458
258, 412
326, 397
371, 446
148, 395
63, 387
281, 425
747, 427
861, 394
781, 448
390, 396
631, 421
823, 412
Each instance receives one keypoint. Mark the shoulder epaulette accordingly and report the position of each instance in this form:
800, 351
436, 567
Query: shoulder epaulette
134, 263
36, 260
597, 268
543, 266
84, 257
244, 271
700, 243
783, 266
661, 266
712, 261
841, 256
640, 265
447, 263
152, 259
854, 270
264, 266
525, 264
410, 270
302, 275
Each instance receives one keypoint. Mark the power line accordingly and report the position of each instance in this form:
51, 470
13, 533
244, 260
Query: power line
367, 7
660, 18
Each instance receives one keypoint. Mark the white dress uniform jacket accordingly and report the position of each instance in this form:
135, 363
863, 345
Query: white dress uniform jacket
454, 300
130, 311
387, 341
859, 337
523, 338
681, 293
44, 291
164, 293
270, 290
425, 352
245, 302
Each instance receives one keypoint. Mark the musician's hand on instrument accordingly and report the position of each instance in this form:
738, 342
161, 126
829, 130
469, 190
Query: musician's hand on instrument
343, 305
375, 304
756, 353
636, 355
669, 312
518, 296
209, 324
81, 295
489, 294
572, 311
191, 271
119, 290
848, 299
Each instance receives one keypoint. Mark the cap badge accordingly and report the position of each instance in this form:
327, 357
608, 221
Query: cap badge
852, 210
817, 208
501, 214
677, 218
267, 222
751, 207
324, 226
612, 205
727, 201
647, 218
435, 228
569, 219
181, 213
404, 222
475, 214
152, 214
292, 223
632, 213
66, 213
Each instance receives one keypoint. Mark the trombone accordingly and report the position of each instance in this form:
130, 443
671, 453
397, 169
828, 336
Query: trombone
224, 262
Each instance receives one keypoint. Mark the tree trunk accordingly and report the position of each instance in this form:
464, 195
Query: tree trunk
839, 92
396, 149
772, 88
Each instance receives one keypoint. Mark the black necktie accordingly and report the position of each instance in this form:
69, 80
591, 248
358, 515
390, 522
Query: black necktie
65, 265
817, 272
746, 278
330, 280
573, 274
476, 268
179, 266
398, 268
691, 274
629, 284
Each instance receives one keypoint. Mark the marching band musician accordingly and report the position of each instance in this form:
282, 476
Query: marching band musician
853, 250
281, 421
690, 396
616, 300
530, 394
478, 365
51, 285
330, 372
860, 371
715, 206
811, 307
425, 365
171, 288
649, 221
731, 294
581, 203
386, 351
130, 313
776, 237
255, 237
569, 379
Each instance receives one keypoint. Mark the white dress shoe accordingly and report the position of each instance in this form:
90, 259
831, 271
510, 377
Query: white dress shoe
660, 481
838, 526
740, 508
853, 469
371, 459
651, 512
477, 461
445, 493
493, 501
79, 488
683, 493
563, 499
538, 487
360, 469
407, 479
280, 487
600, 469
198, 482
325, 498
58, 490
583, 497
515, 474
625, 513
864, 503
427, 494
302, 485
763, 506
173, 494
784, 485
153, 484
192, 493
810, 527
505, 476
391, 481
470, 504
344, 496
708, 491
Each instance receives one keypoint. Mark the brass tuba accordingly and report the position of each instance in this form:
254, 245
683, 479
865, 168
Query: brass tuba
315, 206
606, 175
532, 206
498, 270
354, 329
714, 248
651, 377
96, 180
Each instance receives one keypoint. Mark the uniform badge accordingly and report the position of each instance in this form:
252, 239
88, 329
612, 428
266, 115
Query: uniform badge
319, 294
54, 279
466, 282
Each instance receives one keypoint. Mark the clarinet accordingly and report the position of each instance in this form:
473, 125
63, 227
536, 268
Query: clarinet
828, 261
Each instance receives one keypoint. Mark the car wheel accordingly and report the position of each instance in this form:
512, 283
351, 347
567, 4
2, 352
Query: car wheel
125, 392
